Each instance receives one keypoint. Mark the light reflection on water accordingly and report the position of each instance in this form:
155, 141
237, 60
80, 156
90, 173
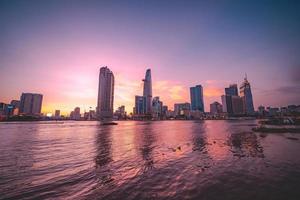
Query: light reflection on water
147, 160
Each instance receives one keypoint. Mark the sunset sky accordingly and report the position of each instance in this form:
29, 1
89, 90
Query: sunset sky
57, 47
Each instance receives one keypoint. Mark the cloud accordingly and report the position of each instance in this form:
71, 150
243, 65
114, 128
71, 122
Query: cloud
281, 96
289, 90
212, 92
170, 91
211, 81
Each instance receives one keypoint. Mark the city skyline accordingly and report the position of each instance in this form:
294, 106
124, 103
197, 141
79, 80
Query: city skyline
57, 53
207, 106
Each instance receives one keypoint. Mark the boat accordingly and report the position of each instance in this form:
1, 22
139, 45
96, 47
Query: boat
278, 125
107, 123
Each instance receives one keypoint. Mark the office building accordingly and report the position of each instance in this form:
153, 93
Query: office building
140, 105
196, 94
31, 104
105, 94
164, 112
227, 104
180, 108
246, 94
216, 108
147, 92
157, 107
232, 90
237, 105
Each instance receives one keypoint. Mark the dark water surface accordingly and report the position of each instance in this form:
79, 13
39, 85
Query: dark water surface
147, 160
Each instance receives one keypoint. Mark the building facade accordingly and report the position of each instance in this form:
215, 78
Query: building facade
196, 94
157, 108
147, 92
237, 105
181, 108
31, 104
140, 105
216, 108
105, 94
232, 90
246, 94
227, 104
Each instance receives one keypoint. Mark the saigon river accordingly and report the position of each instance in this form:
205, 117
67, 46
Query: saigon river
147, 160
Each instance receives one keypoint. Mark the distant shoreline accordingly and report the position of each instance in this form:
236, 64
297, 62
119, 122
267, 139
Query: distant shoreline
57, 121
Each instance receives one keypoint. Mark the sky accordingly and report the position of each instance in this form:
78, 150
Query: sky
56, 48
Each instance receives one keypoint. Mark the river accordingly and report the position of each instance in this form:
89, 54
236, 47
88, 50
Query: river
147, 160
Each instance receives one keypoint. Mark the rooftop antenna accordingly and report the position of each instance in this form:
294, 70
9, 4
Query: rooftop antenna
245, 76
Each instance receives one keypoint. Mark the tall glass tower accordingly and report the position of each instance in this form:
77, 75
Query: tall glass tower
232, 90
147, 93
105, 94
196, 94
246, 94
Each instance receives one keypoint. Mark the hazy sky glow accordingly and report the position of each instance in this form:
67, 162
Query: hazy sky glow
57, 47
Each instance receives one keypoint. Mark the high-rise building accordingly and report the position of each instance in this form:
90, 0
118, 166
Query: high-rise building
179, 108
105, 94
232, 90
227, 104
196, 94
31, 104
237, 105
216, 108
157, 107
246, 94
147, 92
140, 105
232, 103
164, 111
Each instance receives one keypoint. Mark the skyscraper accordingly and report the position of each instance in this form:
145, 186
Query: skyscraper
227, 104
237, 105
196, 94
232, 103
140, 105
157, 107
246, 94
232, 90
31, 104
105, 94
147, 92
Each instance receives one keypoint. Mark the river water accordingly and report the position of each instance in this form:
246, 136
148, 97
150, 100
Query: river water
147, 160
